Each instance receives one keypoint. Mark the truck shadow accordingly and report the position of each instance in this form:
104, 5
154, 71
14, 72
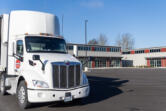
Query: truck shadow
101, 88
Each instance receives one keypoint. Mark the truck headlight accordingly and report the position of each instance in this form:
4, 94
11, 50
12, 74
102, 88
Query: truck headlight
40, 84
85, 79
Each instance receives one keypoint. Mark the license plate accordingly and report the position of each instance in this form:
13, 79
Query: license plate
68, 97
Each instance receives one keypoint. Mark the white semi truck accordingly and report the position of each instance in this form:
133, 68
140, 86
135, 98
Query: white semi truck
34, 63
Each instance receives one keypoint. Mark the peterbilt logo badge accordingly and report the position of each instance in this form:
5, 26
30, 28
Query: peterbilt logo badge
67, 62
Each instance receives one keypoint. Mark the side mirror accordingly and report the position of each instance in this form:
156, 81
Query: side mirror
36, 57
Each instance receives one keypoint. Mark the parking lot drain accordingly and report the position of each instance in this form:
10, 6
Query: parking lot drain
135, 109
130, 90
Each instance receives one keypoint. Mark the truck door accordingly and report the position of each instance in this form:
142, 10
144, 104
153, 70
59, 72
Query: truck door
19, 55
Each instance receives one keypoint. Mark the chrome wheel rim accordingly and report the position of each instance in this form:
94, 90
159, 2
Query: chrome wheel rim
21, 95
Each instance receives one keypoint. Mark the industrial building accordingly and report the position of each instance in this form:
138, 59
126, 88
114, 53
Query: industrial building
146, 57
112, 56
100, 56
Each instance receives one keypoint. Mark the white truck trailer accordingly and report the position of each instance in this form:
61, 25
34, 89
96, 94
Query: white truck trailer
34, 63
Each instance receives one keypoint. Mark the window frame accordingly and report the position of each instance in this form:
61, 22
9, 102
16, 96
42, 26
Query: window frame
21, 55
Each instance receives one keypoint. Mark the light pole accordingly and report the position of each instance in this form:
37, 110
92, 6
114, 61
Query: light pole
86, 21
62, 24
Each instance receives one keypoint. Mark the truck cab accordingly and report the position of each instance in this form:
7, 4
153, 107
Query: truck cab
34, 62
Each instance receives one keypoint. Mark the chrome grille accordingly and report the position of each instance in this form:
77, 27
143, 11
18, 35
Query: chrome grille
56, 76
78, 76
66, 76
63, 77
71, 76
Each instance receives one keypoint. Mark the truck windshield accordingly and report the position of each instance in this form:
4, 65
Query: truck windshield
45, 44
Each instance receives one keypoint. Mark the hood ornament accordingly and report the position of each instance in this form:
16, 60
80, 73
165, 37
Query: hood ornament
67, 62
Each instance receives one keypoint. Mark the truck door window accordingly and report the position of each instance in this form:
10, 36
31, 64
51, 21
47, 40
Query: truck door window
19, 50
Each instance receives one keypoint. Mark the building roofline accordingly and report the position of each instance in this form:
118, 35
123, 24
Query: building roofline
93, 45
155, 57
145, 48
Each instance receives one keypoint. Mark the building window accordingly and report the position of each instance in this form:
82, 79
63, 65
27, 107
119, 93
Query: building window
115, 63
89, 48
126, 52
139, 51
154, 50
100, 49
100, 63
103, 49
111, 50
70, 47
96, 63
116, 49
89, 64
155, 62
80, 48
84, 48
96, 48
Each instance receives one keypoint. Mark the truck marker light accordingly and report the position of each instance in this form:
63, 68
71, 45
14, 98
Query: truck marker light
26, 33
26, 83
46, 34
42, 34
18, 64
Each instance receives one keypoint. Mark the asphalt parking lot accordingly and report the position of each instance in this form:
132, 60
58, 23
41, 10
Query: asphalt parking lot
112, 90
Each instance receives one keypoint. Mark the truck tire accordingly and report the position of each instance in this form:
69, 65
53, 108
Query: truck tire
2, 84
22, 95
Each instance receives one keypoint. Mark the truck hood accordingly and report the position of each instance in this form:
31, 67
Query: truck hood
53, 57
36, 72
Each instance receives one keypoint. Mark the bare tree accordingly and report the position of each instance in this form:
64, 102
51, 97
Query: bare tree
93, 42
102, 39
125, 41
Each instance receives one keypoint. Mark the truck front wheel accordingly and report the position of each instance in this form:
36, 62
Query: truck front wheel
22, 95
2, 84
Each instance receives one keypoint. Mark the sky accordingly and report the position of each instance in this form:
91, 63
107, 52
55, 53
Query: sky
145, 20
